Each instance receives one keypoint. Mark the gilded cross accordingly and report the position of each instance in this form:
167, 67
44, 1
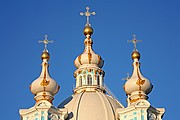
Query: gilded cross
87, 14
46, 42
134, 41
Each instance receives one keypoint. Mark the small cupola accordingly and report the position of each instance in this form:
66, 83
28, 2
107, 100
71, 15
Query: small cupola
89, 75
137, 86
44, 87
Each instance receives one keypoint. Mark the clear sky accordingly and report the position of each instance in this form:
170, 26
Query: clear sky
24, 22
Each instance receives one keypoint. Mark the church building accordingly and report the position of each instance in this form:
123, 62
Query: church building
91, 100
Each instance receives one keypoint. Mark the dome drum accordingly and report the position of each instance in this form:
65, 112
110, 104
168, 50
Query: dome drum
89, 77
94, 70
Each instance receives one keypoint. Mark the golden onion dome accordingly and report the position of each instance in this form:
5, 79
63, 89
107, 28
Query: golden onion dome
45, 55
135, 55
88, 30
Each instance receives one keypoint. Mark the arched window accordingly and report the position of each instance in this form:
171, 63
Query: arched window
89, 80
80, 81
98, 83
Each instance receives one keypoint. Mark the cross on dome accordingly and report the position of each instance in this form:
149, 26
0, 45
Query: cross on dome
46, 42
126, 78
87, 14
134, 41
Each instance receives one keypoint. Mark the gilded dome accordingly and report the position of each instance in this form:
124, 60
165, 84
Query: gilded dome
135, 55
91, 106
88, 30
45, 55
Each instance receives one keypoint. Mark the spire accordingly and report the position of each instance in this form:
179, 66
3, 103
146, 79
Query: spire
89, 75
44, 87
137, 86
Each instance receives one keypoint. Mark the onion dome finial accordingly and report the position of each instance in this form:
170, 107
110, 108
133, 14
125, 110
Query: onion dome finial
45, 54
135, 54
88, 30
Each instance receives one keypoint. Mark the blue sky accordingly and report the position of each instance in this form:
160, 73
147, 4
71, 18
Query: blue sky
23, 23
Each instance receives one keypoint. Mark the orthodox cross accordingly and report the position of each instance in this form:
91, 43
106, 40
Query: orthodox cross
45, 41
87, 14
134, 41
